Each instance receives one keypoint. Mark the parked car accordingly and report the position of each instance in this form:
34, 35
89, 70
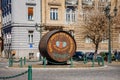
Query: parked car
117, 56
89, 55
79, 55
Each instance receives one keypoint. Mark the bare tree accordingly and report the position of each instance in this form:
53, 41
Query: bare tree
116, 19
96, 28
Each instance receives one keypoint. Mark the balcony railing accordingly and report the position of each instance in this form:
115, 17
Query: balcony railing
71, 2
89, 3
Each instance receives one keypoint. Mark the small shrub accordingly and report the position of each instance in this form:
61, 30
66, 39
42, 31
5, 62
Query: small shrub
104, 55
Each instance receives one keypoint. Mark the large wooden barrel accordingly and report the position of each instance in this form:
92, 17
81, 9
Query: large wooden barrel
57, 46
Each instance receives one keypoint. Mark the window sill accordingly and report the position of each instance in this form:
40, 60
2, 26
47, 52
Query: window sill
30, 20
31, 43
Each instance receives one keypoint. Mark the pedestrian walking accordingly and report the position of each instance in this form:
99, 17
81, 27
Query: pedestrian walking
116, 55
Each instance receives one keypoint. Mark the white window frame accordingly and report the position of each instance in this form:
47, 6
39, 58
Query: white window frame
88, 40
53, 13
30, 18
70, 16
119, 37
30, 37
105, 41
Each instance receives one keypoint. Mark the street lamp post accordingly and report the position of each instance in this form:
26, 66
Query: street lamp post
109, 17
39, 29
72, 33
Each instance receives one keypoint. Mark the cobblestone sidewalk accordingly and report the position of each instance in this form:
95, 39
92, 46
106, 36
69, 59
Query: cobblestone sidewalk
3, 60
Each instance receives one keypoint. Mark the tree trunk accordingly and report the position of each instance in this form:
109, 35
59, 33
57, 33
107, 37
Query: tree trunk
96, 50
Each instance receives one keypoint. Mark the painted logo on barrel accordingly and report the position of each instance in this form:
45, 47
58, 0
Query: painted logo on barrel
61, 46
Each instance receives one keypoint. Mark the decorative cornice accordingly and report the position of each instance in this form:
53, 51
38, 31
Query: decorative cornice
49, 26
31, 4
54, 3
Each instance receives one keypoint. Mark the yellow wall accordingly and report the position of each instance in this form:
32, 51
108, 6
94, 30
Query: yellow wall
77, 27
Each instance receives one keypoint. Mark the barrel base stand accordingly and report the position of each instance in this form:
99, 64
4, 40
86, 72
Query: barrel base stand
51, 62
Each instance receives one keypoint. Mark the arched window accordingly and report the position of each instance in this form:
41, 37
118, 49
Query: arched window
70, 14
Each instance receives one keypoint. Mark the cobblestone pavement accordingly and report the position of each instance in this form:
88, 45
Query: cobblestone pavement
7, 72
104, 73
110, 72
77, 74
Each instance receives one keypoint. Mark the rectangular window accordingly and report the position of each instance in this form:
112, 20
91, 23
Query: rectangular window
30, 36
67, 17
105, 41
31, 55
70, 15
53, 14
30, 13
119, 37
88, 40
73, 17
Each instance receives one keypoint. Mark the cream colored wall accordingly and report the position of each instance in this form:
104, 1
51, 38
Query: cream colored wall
114, 4
46, 5
0, 30
77, 27
0, 22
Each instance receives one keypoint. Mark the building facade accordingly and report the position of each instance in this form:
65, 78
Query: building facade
18, 25
20, 16
0, 31
65, 14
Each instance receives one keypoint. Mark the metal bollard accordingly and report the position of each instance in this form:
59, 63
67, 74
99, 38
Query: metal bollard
29, 72
20, 62
98, 60
44, 62
102, 61
9, 62
71, 62
40, 58
85, 60
93, 62
24, 60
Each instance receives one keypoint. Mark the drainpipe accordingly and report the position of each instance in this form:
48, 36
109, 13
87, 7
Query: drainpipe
41, 12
